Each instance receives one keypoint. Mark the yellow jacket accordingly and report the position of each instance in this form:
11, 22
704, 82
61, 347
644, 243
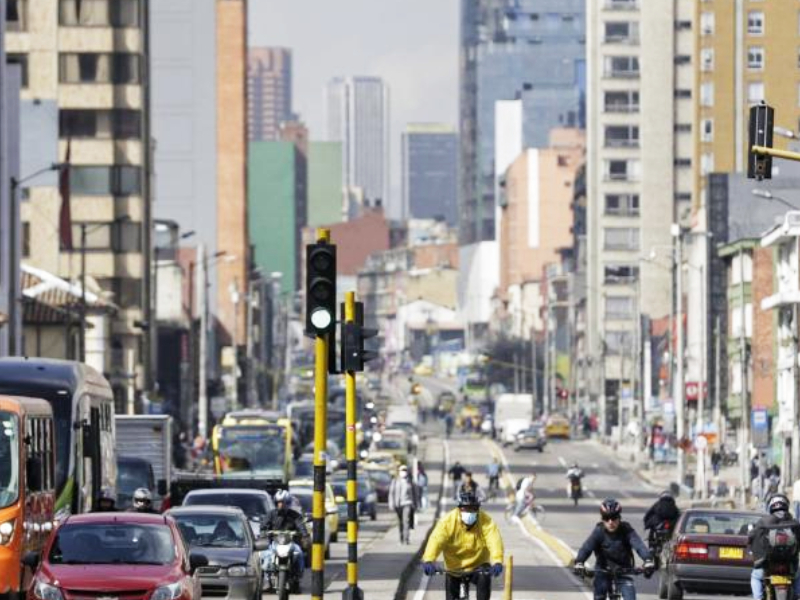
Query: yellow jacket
464, 549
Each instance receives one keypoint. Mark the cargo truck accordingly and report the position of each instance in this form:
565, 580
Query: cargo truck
144, 458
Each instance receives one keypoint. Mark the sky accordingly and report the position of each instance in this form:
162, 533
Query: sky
412, 44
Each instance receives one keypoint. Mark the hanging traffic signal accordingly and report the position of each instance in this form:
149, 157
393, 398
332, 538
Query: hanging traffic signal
762, 121
354, 355
320, 288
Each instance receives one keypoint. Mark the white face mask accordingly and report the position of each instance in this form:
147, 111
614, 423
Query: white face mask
469, 518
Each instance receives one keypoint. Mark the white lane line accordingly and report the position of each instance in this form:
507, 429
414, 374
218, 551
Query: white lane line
563, 461
423, 583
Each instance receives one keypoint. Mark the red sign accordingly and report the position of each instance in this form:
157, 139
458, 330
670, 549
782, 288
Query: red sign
693, 390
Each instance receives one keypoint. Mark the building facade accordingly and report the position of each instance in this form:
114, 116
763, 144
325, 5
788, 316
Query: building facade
269, 91
357, 115
430, 172
325, 194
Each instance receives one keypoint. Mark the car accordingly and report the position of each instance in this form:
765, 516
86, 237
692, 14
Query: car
708, 554
222, 534
117, 555
469, 418
530, 438
445, 402
381, 480
302, 490
557, 426
365, 494
411, 431
393, 441
255, 504
382, 460
423, 370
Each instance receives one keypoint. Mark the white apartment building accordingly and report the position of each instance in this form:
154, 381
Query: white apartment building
639, 181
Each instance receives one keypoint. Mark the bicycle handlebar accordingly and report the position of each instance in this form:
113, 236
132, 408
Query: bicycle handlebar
453, 573
616, 572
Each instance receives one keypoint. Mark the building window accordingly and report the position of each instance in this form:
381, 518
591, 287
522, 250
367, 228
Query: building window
706, 163
622, 66
126, 291
116, 68
120, 180
707, 59
707, 23
755, 22
683, 128
621, 32
755, 58
621, 238
22, 61
102, 124
99, 13
621, 170
619, 342
26, 240
682, 162
707, 131
619, 308
622, 205
16, 15
707, 93
683, 25
622, 136
683, 93
755, 92
683, 59
622, 102
620, 274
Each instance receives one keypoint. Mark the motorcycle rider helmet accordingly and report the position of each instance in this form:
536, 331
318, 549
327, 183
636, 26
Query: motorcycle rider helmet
282, 497
468, 500
665, 495
575, 465
778, 503
610, 509
142, 499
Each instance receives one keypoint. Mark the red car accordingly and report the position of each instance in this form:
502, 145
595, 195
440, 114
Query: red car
118, 555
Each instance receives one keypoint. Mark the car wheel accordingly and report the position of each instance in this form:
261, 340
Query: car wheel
327, 551
662, 585
335, 536
673, 591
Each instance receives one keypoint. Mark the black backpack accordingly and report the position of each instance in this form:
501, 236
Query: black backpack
780, 542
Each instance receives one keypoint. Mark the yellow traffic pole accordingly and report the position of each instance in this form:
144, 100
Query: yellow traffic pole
320, 448
509, 579
787, 154
352, 592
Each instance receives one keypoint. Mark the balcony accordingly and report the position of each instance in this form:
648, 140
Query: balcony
622, 73
629, 40
622, 143
621, 108
621, 5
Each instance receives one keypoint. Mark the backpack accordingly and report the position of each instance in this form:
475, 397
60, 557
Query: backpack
519, 483
781, 543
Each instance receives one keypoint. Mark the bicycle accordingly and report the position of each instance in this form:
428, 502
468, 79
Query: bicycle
465, 578
614, 576
539, 512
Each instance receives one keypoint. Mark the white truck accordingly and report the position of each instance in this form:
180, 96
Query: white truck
512, 413
144, 457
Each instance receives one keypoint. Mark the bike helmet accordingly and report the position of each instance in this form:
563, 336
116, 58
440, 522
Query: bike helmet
778, 503
610, 509
282, 496
665, 495
468, 500
142, 499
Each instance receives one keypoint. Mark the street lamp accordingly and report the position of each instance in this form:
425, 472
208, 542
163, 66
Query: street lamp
767, 195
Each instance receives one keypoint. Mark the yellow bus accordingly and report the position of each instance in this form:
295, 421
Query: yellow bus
253, 444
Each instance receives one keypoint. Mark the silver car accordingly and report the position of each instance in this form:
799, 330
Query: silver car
223, 536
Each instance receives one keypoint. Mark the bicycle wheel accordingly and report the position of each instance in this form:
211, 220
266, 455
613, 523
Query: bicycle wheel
539, 513
509, 512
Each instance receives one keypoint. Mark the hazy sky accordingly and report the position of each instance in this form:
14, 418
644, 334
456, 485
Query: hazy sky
412, 44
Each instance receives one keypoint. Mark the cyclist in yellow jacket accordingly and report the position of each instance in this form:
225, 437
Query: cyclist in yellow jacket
469, 540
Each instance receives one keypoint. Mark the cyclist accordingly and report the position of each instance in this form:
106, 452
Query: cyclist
525, 494
470, 485
662, 516
779, 517
613, 541
493, 472
574, 475
284, 518
142, 501
469, 540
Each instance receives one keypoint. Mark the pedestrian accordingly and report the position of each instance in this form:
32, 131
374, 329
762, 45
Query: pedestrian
456, 472
716, 461
754, 468
401, 501
422, 487
796, 497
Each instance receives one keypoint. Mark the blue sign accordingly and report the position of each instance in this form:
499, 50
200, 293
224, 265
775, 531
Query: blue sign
760, 425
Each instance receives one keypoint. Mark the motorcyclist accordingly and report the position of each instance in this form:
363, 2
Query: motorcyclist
662, 516
106, 501
469, 539
613, 542
284, 518
142, 501
779, 517
574, 474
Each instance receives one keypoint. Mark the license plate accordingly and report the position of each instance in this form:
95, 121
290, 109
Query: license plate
737, 553
780, 580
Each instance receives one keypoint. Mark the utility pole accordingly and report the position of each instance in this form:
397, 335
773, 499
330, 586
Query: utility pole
679, 384
792, 475
202, 295
149, 330
744, 454
534, 371
82, 332
718, 380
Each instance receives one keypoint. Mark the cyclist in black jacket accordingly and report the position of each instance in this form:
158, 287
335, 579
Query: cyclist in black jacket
613, 541
662, 515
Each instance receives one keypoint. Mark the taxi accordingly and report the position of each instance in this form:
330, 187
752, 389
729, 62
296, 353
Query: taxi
557, 426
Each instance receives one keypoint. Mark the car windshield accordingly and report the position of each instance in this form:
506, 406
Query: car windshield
113, 543
213, 531
9, 459
719, 523
339, 487
388, 444
304, 497
379, 476
303, 468
252, 449
252, 505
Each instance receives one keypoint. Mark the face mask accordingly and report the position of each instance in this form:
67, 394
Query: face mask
469, 518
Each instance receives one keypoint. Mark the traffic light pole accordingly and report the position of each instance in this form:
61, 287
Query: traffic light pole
352, 592
765, 151
320, 448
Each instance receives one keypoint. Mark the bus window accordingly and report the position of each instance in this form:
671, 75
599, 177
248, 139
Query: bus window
9, 459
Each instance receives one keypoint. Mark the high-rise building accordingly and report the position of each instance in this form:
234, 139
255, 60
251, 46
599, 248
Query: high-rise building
430, 172
357, 115
269, 91
82, 70
325, 197
531, 50
640, 180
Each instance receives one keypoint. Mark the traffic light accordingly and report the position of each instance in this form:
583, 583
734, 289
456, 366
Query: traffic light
320, 288
353, 336
762, 121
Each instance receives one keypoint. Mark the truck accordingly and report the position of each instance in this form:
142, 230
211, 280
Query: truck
512, 413
144, 458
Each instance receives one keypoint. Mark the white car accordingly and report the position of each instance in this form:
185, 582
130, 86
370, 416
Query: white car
509, 429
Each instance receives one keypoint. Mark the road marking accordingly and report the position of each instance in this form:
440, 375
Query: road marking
425, 580
563, 461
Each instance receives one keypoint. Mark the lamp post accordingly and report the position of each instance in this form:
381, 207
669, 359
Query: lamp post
767, 195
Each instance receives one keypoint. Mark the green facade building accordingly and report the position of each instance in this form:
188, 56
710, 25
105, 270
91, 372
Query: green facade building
324, 183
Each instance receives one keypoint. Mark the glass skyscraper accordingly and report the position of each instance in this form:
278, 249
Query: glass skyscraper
430, 172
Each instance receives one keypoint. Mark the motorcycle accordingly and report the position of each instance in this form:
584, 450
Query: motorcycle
779, 581
658, 537
280, 573
575, 489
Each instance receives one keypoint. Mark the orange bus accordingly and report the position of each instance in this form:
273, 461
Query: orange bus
27, 487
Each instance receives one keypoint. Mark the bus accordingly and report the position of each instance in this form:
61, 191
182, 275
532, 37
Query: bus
253, 443
83, 419
27, 487
302, 415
